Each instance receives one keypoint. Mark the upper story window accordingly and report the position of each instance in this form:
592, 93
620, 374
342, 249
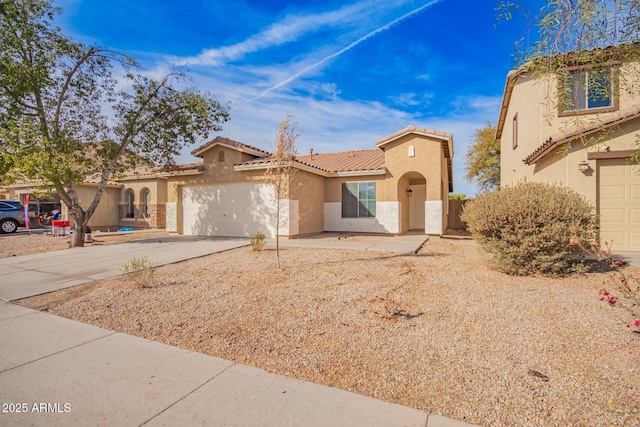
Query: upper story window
358, 200
588, 90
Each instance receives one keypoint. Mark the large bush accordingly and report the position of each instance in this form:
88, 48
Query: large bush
534, 228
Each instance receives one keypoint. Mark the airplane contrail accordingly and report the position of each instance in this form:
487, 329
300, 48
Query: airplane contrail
344, 49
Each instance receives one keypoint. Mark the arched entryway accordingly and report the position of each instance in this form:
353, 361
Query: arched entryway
412, 194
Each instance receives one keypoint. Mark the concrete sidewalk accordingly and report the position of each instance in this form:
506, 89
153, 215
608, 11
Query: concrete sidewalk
59, 372
47, 272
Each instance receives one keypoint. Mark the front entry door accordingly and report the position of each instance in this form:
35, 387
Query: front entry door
416, 207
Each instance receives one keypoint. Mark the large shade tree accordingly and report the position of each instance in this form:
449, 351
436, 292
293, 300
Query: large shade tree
64, 118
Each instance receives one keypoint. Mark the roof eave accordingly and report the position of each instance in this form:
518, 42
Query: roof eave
199, 152
510, 83
553, 144
382, 171
266, 165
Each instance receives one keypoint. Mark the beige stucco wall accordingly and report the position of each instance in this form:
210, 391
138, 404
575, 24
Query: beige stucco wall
534, 102
106, 214
309, 190
157, 203
426, 162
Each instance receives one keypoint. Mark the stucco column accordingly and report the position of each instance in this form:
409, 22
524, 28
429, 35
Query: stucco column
433, 211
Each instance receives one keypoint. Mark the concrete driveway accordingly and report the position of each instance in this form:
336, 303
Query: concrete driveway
25, 276
631, 257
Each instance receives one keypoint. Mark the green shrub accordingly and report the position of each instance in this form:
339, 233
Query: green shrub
257, 242
140, 271
534, 228
457, 196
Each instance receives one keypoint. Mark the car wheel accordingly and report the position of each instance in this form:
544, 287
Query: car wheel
8, 226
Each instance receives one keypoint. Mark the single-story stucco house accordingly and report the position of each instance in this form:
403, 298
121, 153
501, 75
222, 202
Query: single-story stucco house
578, 130
402, 184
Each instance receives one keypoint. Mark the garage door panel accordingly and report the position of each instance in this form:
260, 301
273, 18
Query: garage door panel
619, 203
612, 215
234, 209
614, 192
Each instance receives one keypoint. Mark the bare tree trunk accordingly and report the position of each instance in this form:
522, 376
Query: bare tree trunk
80, 220
278, 233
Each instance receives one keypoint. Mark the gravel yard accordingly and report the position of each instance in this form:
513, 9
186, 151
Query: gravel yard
440, 330
18, 245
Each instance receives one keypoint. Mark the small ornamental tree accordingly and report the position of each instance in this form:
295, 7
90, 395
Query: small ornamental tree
482, 163
534, 228
52, 125
280, 172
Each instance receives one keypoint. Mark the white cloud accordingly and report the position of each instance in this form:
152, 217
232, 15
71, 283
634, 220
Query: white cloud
412, 99
289, 29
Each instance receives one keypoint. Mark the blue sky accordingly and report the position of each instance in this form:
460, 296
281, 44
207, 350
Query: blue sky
351, 72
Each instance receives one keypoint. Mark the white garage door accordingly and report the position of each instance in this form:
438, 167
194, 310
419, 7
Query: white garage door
234, 209
619, 203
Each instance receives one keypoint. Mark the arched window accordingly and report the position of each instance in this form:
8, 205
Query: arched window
145, 198
221, 156
130, 198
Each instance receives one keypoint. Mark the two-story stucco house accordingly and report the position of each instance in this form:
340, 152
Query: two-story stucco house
578, 129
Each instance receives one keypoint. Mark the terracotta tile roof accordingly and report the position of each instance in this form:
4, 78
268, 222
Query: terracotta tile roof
229, 142
346, 161
336, 162
559, 139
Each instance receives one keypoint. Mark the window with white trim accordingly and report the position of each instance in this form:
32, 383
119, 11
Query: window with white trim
359, 200
588, 89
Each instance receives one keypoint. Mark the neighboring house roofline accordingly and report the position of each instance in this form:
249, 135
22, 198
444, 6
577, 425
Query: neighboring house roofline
512, 77
34, 184
229, 143
559, 139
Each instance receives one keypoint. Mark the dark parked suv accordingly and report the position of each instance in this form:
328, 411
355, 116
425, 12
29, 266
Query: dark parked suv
11, 216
